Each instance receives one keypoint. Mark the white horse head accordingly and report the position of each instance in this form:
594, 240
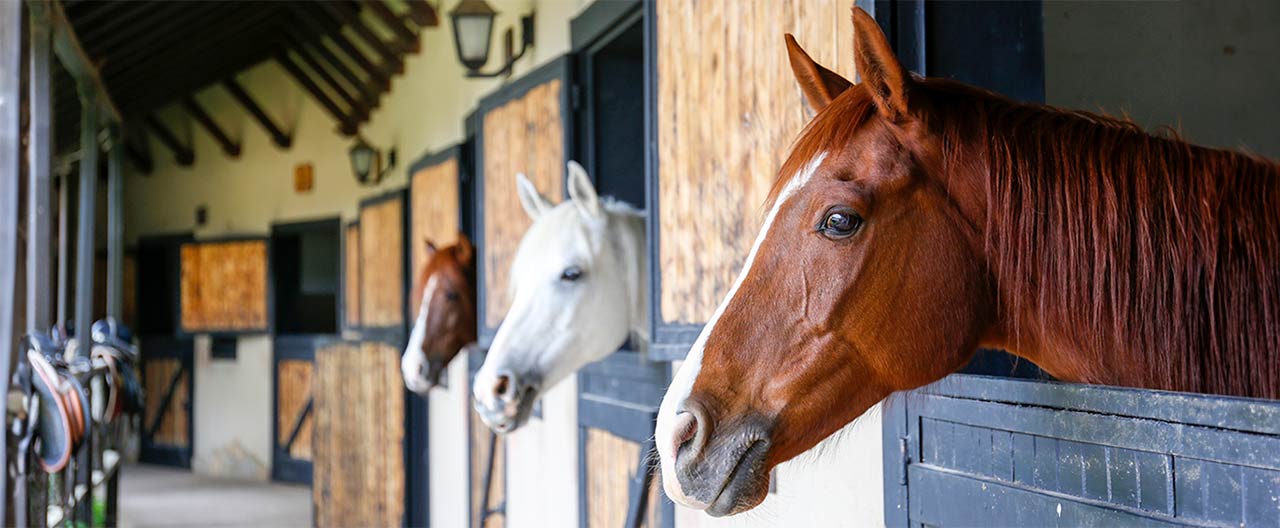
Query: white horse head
577, 288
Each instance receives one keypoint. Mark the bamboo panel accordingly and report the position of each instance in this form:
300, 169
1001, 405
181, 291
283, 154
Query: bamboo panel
224, 286
358, 469
434, 206
525, 135
382, 264
611, 464
479, 460
728, 111
157, 376
292, 393
351, 276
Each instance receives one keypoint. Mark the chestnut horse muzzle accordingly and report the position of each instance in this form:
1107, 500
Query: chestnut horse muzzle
721, 471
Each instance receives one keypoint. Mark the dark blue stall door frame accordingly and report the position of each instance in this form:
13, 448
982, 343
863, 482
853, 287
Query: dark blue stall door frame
621, 393
160, 338
561, 68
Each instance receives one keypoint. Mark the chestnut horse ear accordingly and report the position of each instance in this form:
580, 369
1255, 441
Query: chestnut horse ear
532, 201
465, 250
431, 247
820, 85
879, 67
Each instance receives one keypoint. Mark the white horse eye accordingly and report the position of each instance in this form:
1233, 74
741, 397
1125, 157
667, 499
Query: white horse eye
571, 274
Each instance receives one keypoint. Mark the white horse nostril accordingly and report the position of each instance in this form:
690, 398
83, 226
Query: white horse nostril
503, 385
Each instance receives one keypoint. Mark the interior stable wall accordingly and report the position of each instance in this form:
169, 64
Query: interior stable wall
423, 112
1206, 68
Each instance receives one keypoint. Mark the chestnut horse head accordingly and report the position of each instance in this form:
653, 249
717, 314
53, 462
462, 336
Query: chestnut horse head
577, 295
918, 219
446, 320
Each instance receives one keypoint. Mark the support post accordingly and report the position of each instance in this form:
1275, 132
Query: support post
40, 181
10, 163
115, 224
85, 221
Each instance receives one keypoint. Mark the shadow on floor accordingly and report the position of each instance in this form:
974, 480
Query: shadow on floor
160, 496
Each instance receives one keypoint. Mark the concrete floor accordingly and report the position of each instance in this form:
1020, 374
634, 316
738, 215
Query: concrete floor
161, 496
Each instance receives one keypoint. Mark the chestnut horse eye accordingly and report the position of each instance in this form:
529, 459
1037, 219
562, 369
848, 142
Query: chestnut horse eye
451, 295
840, 223
571, 274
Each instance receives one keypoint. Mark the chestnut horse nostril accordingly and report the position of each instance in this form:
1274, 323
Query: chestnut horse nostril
687, 436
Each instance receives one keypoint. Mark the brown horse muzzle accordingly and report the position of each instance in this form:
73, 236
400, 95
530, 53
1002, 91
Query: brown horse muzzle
721, 467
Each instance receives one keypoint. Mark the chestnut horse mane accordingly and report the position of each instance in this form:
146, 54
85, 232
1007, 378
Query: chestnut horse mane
1157, 262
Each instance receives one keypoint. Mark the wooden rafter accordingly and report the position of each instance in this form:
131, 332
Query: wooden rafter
183, 154
358, 108
423, 14
347, 123
241, 96
229, 146
408, 40
381, 75
353, 21
368, 93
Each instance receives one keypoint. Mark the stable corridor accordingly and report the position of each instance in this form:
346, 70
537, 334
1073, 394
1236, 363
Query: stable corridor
160, 496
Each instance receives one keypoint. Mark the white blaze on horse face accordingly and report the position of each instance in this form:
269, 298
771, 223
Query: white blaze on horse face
413, 362
682, 383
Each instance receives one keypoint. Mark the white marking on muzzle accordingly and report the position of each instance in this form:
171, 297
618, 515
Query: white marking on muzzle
414, 358
682, 382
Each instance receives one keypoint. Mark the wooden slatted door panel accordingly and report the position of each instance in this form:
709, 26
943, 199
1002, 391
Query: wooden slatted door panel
983, 451
224, 286
351, 276
524, 128
357, 438
382, 262
618, 399
168, 388
720, 141
434, 197
294, 416
488, 470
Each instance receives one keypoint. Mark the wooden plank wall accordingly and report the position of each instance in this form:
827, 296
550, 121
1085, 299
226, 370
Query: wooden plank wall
434, 206
613, 460
351, 276
293, 391
357, 437
382, 264
156, 378
224, 286
479, 461
728, 111
525, 135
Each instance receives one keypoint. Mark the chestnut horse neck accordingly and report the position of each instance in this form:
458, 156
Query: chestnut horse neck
1118, 256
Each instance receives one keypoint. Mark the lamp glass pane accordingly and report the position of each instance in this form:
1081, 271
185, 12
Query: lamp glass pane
361, 159
473, 36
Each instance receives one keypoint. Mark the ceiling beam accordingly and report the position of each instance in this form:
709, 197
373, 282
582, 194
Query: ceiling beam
352, 20
73, 57
368, 93
241, 96
346, 124
358, 108
229, 146
182, 154
172, 18
408, 39
120, 18
179, 46
422, 13
381, 75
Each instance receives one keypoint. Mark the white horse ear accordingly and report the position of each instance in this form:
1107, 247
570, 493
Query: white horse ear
532, 201
581, 191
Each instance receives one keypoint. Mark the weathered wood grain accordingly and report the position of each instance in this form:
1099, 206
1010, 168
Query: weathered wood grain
611, 462
351, 276
224, 286
156, 379
525, 135
292, 393
382, 264
728, 111
434, 206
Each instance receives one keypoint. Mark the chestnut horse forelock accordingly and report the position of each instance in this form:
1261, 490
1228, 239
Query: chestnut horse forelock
452, 269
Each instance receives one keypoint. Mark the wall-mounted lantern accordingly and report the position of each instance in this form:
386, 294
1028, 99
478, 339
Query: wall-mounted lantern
366, 163
472, 32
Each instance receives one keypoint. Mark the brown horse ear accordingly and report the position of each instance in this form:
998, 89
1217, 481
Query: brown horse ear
820, 85
879, 67
465, 250
431, 247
